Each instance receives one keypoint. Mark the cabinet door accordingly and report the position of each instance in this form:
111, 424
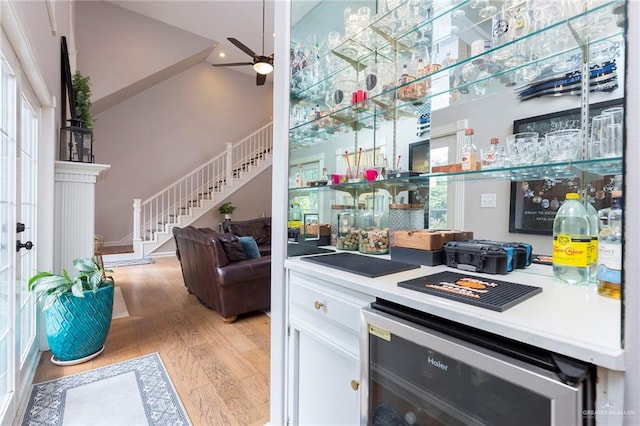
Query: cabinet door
322, 378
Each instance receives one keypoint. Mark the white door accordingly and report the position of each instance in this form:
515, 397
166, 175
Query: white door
18, 169
7, 235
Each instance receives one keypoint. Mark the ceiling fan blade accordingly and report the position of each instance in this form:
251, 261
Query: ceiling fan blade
260, 79
242, 47
232, 64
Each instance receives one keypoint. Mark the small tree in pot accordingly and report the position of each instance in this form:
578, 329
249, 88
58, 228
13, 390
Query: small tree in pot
226, 209
78, 310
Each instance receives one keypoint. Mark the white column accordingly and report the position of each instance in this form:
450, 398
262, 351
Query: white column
137, 203
74, 211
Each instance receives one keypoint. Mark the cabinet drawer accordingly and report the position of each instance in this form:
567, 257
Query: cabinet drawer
326, 301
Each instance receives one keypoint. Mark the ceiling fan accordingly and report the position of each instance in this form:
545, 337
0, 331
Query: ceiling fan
262, 64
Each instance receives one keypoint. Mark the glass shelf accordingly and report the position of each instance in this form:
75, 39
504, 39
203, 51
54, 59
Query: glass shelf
601, 167
475, 77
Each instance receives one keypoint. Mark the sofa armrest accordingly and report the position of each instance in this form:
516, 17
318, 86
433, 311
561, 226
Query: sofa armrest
244, 270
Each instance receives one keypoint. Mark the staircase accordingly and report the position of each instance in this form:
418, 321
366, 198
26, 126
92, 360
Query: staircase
195, 194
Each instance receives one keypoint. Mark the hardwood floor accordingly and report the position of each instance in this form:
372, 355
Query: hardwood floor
221, 371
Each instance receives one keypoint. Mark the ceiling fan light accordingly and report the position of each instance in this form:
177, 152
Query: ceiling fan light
263, 67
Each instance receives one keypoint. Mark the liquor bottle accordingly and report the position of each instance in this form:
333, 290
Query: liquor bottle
469, 156
571, 242
490, 156
325, 176
299, 179
610, 250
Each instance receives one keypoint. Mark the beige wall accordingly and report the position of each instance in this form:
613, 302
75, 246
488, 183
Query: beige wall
154, 138
45, 45
118, 48
183, 116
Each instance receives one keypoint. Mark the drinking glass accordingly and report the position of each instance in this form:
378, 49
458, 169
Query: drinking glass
612, 140
614, 131
522, 148
563, 145
595, 147
616, 112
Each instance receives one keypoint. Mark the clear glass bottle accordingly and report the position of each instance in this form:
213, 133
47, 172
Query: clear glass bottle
610, 251
374, 227
299, 178
571, 242
489, 157
325, 177
469, 154
592, 214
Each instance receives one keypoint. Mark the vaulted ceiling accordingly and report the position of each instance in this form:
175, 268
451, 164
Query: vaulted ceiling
215, 20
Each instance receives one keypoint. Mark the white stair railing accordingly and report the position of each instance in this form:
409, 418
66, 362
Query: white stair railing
158, 212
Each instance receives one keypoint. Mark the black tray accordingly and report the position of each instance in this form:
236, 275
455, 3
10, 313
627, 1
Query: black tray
362, 265
499, 298
295, 249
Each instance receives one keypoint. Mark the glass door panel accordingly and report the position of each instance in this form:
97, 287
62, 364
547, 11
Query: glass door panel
7, 234
26, 259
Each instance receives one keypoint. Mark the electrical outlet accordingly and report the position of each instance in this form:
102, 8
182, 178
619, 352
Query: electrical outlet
487, 200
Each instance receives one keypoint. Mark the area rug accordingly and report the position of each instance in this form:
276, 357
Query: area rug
119, 306
135, 392
130, 262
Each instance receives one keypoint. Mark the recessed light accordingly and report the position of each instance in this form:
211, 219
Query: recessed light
222, 55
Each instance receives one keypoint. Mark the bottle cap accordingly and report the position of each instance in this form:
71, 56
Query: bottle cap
494, 141
468, 131
573, 196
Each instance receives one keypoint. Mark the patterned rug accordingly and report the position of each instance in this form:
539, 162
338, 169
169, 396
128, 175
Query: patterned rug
135, 392
131, 262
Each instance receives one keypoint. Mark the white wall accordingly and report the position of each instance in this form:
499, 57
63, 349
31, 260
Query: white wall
163, 133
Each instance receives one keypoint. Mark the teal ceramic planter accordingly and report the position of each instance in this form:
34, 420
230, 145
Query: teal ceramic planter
77, 327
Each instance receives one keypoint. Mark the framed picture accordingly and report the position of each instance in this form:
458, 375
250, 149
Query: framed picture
533, 204
569, 119
419, 156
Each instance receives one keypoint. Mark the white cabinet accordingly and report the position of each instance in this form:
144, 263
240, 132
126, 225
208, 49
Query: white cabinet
323, 346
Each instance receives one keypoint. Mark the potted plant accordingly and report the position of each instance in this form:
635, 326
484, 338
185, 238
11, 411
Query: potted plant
226, 209
82, 92
78, 310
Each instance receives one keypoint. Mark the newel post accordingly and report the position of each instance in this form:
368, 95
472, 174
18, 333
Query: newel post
137, 203
229, 165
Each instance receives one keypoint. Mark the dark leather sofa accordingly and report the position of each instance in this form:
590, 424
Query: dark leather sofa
230, 288
259, 229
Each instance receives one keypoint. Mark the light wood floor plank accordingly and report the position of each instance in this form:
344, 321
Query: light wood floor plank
220, 371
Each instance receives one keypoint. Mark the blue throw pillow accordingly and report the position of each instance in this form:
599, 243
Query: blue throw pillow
250, 247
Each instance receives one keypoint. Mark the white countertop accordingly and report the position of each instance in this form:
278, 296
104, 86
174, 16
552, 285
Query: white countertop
570, 320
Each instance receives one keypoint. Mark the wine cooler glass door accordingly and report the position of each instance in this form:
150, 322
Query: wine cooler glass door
418, 376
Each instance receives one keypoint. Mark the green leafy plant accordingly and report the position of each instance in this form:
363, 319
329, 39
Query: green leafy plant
51, 286
82, 91
226, 208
